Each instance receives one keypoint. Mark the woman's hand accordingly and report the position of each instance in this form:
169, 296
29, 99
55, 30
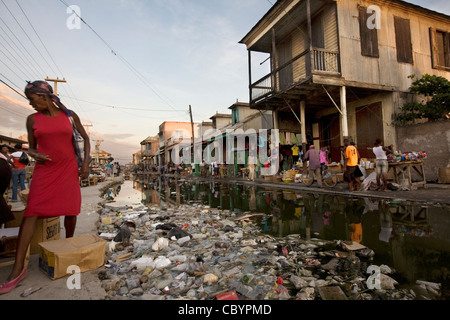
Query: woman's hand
84, 170
41, 158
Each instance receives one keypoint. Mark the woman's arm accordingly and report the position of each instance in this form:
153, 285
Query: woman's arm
84, 170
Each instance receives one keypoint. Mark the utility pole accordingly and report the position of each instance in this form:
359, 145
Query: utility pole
192, 125
87, 127
97, 148
55, 89
197, 167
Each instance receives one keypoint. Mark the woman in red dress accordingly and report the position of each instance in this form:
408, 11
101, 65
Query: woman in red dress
54, 189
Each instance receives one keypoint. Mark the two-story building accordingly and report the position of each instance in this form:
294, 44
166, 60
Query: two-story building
170, 134
341, 68
149, 148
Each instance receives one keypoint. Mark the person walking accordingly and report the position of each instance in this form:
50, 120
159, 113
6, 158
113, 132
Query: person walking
18, 172
55, 189
314, 164
382, 166
352, 161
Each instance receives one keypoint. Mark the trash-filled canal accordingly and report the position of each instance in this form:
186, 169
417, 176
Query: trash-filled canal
339, 235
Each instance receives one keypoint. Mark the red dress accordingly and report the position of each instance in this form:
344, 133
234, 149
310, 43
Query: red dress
54, 188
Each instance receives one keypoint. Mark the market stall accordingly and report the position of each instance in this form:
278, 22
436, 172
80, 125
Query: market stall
402, 165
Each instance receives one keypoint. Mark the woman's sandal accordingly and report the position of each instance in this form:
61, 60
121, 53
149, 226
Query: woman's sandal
9, 286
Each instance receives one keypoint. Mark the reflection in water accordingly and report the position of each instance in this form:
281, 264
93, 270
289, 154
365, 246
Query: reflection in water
411, 238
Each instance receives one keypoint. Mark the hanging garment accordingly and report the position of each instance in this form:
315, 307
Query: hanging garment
288, 138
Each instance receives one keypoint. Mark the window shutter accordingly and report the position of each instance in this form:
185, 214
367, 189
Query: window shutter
403, 40
434, 48
447, 50
369, 37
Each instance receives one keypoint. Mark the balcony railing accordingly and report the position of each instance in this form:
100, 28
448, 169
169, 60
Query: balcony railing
294, 71
326, 61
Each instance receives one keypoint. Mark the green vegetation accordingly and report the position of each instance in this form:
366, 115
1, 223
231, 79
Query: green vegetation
436, 105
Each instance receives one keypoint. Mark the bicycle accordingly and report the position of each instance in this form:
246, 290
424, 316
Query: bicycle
329, 177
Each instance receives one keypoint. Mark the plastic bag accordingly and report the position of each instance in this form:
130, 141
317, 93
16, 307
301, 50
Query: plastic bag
160, 244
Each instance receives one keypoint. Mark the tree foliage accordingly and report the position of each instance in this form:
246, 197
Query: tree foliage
436, 105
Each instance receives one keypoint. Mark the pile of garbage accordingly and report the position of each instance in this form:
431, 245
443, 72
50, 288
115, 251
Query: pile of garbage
195, 252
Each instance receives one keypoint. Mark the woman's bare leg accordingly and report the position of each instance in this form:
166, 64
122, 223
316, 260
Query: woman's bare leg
25, 235
69, 224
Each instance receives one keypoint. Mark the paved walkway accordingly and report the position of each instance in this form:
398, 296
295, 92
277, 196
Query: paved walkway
57, 290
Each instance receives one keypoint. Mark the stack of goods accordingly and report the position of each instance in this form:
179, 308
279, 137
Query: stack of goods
407, 156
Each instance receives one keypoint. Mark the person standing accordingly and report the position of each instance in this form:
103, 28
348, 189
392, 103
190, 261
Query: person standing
55, 190
382, 166
5, 177
324, 156
295, 153
5, 155
352, 161
18, 172
314, 164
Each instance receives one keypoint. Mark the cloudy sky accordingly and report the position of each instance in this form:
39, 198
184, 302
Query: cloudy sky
136, 64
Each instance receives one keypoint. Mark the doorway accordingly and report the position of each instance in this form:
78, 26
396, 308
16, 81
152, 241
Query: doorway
369, 126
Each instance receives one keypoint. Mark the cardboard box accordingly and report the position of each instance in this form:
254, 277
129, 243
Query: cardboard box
444, 175
87, 252
8, 244
46, 230
336, 167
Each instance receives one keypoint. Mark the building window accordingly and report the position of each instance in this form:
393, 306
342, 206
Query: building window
235, 116
403, 40
440, 49
369, 37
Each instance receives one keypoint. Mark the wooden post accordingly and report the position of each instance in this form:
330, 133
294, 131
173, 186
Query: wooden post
55, 89
274, 61
309, 56
303, 129
197, 167
250, 75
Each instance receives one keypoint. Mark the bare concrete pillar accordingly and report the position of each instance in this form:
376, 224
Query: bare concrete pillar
344, 118
303, 121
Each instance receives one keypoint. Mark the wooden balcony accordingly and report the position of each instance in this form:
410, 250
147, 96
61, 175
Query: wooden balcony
295, 71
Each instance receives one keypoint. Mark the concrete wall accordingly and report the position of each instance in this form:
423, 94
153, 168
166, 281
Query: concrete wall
434, 138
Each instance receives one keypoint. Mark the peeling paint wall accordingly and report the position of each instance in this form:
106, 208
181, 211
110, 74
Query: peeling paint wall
434, 138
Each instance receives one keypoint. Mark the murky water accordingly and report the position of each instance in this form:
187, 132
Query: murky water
409, 237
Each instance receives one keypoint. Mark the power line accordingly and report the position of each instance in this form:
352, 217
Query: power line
48, 52
14, 111
21, 56
15, 54
20, 42
114, 52
38, 37
128, 108
45, 60
21, 94
13, 63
